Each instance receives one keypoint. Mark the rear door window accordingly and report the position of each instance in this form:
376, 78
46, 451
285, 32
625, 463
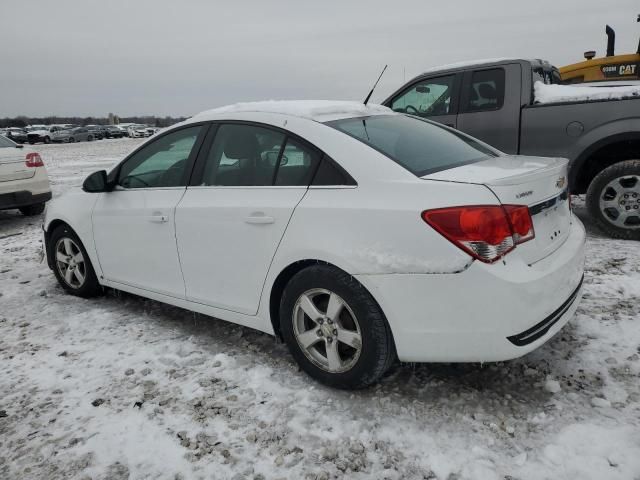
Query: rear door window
297, 164
486, 90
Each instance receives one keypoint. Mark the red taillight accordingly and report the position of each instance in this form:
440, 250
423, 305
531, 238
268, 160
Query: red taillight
33, 160
486, 232
521, 222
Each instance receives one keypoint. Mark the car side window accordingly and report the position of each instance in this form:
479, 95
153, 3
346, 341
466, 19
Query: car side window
486, 91
161, 163
297, 164
329, 173
427, 98
243, 155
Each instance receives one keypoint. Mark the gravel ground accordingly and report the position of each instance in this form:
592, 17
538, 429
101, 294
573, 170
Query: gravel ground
122, 387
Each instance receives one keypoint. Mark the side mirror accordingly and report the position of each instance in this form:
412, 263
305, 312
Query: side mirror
423, 89
96, 182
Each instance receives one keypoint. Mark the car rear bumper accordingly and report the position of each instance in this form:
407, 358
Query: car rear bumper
22, 198
487, 312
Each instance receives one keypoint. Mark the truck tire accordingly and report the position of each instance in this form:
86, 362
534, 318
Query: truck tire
613, 200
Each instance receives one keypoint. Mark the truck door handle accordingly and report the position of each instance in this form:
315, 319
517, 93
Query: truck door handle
159, 218
259, 218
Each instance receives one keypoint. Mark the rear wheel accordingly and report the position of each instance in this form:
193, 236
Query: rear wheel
31, 210
613, 199
47, 140
71, 264
335, 329
71, 139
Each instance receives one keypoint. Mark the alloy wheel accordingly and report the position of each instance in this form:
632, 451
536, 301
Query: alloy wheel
327, 330
620, 201
70, 262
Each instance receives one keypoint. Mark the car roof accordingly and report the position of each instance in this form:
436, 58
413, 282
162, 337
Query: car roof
317, 110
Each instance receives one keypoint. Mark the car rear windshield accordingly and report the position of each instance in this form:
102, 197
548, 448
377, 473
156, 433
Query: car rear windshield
420, 146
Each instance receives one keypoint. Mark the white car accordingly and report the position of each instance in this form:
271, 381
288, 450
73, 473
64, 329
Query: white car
137, 131
24, 183
354, 233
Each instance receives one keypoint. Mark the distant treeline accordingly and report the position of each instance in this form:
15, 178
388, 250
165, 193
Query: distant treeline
23, 121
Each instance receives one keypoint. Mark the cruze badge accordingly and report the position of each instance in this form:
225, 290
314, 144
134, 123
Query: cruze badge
560, 182
524, 194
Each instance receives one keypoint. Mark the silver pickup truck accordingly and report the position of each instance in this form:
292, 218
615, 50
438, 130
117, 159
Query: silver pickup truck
494, 101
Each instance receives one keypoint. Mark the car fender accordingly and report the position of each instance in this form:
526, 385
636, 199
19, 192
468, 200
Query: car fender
75, 209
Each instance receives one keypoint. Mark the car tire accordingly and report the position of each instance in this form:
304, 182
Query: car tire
358, 339
616, 215
81, 280
31, 210
89, 138
71, 140
47, 140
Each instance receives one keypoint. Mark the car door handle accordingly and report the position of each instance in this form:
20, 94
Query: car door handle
259, 219
159, 218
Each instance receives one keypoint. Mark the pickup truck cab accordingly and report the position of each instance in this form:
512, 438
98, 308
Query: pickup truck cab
495, 101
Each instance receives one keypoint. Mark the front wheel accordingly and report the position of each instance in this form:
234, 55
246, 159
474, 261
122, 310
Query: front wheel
335, 329
71, 264
613, 200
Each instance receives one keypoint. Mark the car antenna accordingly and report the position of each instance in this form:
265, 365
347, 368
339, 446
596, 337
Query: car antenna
375, 85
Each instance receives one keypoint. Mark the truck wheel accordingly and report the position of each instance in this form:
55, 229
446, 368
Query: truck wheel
613, 199
47, 140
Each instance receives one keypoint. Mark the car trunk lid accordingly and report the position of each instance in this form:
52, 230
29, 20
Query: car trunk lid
13, 165
539, 183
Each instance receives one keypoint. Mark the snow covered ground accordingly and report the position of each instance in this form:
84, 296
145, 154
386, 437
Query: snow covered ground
122, 387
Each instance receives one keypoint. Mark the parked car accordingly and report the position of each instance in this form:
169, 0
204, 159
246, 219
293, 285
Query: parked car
99, 132
376, 233
78, 134
597, 129
24, 183
113, 131
40, 134
137, 131
15, 134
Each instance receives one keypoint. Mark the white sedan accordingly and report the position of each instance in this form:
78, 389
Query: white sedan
356, 234
24, 183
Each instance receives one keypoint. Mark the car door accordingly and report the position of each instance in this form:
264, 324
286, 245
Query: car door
433, 98
231, 219
133, 225
490, 106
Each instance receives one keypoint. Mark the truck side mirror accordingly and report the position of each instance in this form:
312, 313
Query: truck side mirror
422, 89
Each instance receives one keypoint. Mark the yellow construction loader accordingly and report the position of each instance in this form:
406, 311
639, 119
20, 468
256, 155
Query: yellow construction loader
604, 69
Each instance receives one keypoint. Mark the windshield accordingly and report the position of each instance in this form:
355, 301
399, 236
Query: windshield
6, 143
420, 146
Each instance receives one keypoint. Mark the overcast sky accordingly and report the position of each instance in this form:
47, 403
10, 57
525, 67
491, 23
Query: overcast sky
178, 57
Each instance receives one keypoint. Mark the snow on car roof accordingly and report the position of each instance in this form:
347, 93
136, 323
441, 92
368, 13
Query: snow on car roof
318, 110
568, 93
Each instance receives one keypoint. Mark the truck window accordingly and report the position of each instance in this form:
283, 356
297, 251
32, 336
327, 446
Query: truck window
426, 98
486, 91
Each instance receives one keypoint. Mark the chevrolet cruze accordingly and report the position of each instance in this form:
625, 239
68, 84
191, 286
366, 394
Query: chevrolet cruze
356, 234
